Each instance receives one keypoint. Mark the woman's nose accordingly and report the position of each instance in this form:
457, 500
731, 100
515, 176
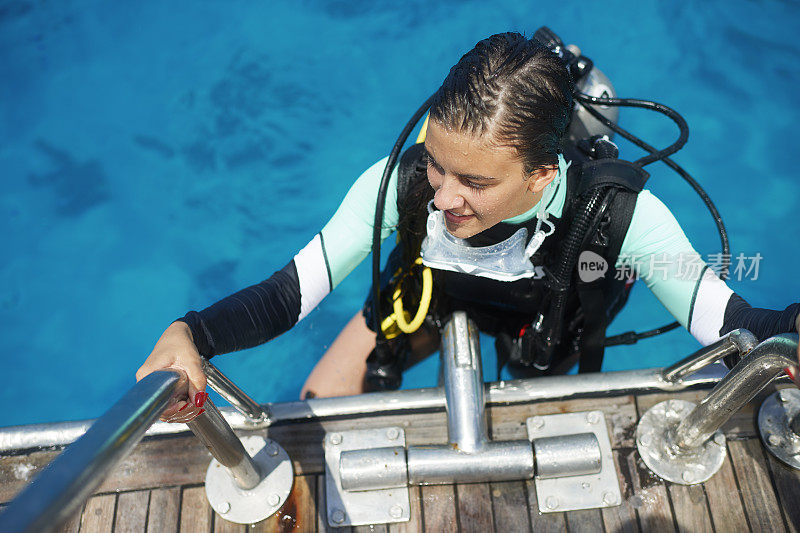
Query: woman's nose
447, 196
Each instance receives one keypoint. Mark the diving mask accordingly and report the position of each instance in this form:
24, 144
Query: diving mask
508, 260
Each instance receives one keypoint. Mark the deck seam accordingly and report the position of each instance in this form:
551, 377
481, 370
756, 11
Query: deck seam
777, 494
421, 506
114, 513
708, 506
147, 509
739, 489
455, 504
527, 505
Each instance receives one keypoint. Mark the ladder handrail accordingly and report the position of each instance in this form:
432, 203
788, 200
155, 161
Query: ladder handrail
69, 480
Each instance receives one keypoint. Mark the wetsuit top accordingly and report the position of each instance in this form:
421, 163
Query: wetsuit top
654, 246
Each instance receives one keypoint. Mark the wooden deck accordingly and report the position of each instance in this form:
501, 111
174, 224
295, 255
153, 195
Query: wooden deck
159, 488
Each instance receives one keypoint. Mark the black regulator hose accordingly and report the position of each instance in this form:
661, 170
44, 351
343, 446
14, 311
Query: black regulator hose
632, 337
380, 205
655, 155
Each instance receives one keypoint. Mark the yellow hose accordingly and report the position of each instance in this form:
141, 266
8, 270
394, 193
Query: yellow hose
398, 320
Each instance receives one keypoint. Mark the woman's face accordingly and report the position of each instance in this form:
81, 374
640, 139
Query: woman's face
478, 183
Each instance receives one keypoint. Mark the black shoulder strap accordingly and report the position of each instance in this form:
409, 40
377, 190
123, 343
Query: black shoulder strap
597, 297
602, 172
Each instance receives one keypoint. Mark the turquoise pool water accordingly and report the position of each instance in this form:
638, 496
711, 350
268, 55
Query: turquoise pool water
156, 156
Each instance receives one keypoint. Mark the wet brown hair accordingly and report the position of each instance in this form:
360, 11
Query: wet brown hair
513, 89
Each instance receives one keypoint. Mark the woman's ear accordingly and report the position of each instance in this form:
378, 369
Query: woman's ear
541, 178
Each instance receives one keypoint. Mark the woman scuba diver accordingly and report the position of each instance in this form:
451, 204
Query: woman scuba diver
537, 237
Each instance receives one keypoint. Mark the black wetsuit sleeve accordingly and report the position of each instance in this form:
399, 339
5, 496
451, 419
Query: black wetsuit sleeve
763, 323
249, 317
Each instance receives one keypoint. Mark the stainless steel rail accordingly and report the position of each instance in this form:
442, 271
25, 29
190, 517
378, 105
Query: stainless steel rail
737, 342
72, 476
243, 403
742, 383
225, 446
37, 436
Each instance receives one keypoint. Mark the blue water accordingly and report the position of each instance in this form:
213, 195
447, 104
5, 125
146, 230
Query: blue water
156, 156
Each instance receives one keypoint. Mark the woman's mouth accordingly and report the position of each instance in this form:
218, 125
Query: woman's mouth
456, 219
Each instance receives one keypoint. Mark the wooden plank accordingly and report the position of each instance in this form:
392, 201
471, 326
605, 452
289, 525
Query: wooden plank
787, 483
542, 522
98, 515
724, 500
622, 518
415, 523
154, 463
297, 513
439, 508
223, 526
73, 524
474, 504
322, 511
690, 508
165, 505
649, 497
510, 506
132, 512
760, 503
586, 521
377, 528
195, 511
620, 412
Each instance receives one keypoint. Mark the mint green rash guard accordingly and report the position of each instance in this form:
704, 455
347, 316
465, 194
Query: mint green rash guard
654, 248
654, 234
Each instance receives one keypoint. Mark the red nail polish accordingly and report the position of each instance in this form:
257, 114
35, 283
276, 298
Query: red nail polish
201, 412
788, 370
200, 398
184, 407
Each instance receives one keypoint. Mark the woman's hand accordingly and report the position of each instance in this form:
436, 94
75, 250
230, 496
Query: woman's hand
176, 350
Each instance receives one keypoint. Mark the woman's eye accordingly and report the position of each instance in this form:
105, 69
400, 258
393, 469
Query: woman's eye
475, 186
435, 167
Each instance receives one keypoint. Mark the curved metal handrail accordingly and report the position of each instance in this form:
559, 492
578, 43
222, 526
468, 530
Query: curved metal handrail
743, 382
74, 475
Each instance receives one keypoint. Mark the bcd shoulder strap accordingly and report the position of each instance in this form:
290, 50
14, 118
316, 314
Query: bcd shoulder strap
598, 297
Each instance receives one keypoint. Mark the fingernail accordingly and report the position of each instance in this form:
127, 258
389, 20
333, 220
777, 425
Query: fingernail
788, 370
184, 407
200, 398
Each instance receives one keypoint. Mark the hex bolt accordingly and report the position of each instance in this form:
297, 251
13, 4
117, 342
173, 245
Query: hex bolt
537, 422
585, 485
392, 433
687, 476
552, 502
337, 516
274, 500
396, 511
646, 439
774, 440
593, 418
224, 507
272, 449
609, 498
336, 438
